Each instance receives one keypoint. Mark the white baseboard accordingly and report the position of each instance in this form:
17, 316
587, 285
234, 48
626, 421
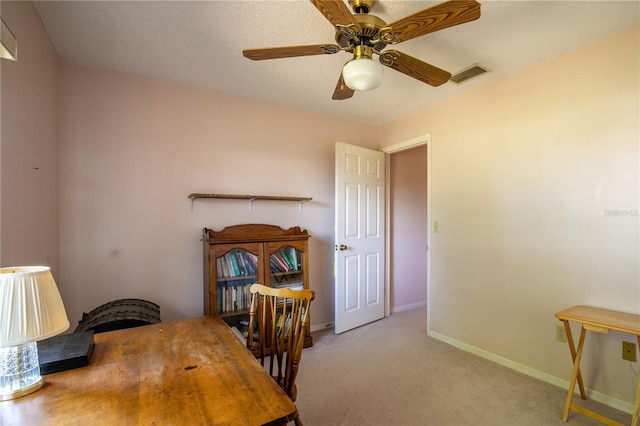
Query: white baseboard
596, 396
408, 307
318, 327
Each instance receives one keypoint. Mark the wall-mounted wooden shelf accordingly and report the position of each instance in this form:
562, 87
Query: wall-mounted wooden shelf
251, 198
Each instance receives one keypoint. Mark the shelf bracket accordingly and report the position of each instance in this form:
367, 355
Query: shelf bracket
251, 200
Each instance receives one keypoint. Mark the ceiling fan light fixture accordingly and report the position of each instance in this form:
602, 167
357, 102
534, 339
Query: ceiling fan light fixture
362, 72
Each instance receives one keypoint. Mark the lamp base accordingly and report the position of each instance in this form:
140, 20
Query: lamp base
19, 371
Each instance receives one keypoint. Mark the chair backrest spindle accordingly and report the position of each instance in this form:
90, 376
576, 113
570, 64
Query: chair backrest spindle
280, 316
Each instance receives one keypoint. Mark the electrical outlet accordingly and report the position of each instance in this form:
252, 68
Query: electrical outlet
629, 351
561, 334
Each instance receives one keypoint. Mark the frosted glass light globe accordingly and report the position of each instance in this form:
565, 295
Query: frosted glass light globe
362, 74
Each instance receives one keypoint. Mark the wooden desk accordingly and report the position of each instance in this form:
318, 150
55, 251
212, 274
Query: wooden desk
600, 321
189, 372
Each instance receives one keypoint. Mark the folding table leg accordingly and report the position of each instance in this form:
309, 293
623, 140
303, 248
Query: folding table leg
572, 349
576, 371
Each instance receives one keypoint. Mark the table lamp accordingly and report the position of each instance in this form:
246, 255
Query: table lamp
31, 309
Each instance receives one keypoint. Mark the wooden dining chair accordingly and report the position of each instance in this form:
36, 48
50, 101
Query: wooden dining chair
280, 317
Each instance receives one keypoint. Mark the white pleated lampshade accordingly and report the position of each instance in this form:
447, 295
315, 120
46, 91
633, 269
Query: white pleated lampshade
31, 308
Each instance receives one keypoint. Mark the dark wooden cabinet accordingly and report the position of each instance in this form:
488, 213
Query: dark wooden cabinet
240, 255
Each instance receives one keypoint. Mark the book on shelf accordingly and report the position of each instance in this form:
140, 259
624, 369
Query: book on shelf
293, 256
232, 297
236, 263
242, 332
221, 268
279, 325
243, 264
283, 324
285, 260
252, 262
285, 257
291, 286
280, 263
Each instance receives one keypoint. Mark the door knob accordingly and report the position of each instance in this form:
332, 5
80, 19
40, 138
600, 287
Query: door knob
342, 247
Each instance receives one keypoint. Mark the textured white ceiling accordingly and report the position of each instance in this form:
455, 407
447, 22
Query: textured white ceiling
200, 44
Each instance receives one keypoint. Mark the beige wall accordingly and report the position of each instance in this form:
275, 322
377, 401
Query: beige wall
132, 149
528, 175
29, 144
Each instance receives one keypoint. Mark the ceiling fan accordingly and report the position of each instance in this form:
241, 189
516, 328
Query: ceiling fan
363, 35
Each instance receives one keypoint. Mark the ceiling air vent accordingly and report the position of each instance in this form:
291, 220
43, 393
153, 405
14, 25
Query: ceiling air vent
468, 73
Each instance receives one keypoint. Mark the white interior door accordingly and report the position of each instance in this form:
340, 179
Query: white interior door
359, 236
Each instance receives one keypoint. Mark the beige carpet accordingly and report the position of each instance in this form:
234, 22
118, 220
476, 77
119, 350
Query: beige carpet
391, 373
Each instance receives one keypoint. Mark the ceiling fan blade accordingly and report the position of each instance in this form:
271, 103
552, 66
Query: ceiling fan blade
414, 67
290, 51
342, 91
438, 17
336, 12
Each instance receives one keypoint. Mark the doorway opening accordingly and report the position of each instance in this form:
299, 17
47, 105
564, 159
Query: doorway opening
408, 216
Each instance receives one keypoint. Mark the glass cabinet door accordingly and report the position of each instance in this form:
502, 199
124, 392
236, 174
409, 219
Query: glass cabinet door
286, 266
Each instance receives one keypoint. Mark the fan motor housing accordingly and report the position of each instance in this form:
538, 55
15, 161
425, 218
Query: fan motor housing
370, 26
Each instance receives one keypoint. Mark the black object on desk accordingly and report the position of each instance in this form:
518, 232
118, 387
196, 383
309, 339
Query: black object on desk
65, 352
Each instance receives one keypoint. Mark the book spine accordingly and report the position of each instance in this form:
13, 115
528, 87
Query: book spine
219, 269
293, 254
242, 263
287, 260
234, 265
279, 262
253, 261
